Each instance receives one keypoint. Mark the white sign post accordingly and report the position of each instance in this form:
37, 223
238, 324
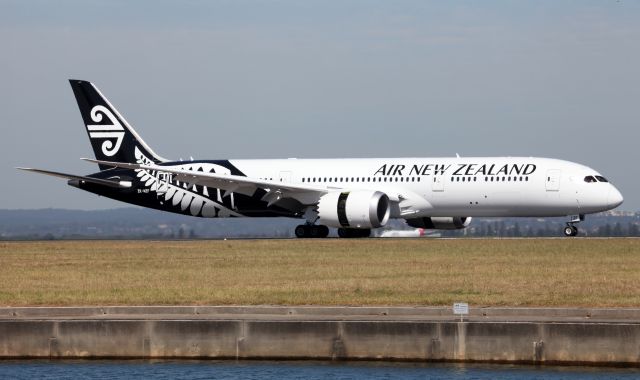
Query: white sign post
461, 308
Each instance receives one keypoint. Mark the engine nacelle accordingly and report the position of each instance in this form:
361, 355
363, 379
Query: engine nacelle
440, 222
354, 209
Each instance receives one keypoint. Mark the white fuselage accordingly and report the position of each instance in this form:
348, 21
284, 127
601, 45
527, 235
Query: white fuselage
469, 186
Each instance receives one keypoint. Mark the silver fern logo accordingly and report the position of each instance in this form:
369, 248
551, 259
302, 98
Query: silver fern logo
196, 199
112, 133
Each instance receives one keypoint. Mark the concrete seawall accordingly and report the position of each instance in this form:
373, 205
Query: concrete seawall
537, 336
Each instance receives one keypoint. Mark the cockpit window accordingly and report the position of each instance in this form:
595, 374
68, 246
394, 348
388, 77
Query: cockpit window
589, 179
601, 178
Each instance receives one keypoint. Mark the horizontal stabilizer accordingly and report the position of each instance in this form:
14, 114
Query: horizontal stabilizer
97, 181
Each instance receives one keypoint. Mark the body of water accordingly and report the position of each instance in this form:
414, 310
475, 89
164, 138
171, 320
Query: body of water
37, 369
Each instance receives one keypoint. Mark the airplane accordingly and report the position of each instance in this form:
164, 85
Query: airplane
354, 195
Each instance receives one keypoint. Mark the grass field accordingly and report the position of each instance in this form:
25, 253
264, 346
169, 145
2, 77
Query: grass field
532, 272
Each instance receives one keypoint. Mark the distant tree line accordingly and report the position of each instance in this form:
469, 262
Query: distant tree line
504, 229
132, 223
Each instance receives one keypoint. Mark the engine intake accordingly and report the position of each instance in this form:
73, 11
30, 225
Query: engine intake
440, 222
354, 209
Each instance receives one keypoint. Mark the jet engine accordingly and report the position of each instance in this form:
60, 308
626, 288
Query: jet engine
354, 209
440, 222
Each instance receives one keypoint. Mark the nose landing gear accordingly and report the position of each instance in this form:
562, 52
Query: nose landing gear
571, 229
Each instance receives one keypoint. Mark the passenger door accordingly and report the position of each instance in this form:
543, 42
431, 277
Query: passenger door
284, 177
552, 182
437, 184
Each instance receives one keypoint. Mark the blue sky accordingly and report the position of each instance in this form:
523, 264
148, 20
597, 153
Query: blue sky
252, 79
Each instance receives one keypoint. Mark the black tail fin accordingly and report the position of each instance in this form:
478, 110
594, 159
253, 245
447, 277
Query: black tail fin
112, 138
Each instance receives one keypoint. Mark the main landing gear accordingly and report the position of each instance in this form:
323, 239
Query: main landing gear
311, 231
320, 231
571, 229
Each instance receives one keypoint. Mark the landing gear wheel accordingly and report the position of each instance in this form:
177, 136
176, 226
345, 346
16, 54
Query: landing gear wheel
310, 231
323, 231
364, 233
570, 230
301, 231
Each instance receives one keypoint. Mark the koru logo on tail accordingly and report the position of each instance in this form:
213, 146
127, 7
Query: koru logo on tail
110, 132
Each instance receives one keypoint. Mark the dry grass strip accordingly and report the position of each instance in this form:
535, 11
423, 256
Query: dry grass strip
527, 272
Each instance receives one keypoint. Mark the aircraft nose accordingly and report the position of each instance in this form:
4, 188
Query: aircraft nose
614, 199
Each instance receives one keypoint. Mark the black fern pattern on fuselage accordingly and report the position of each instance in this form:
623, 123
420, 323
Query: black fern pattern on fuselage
160, 191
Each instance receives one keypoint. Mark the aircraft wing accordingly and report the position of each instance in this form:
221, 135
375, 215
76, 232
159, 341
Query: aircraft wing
231, 183
98, 181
